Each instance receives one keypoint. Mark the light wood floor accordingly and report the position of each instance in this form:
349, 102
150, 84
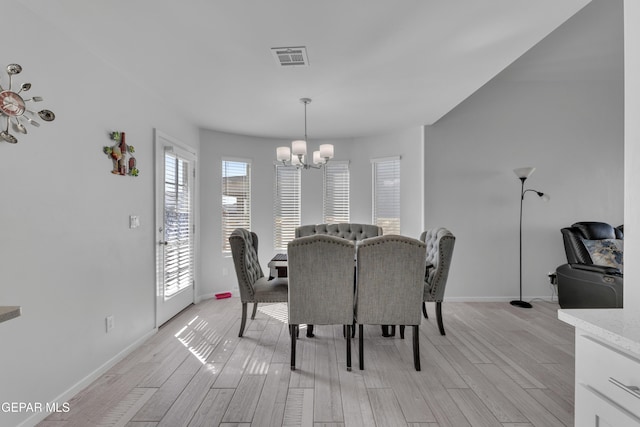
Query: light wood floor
498, 365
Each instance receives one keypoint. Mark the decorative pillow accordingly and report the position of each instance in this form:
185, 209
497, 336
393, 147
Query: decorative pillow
606, 252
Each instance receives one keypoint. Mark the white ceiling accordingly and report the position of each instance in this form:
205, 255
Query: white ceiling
375, 65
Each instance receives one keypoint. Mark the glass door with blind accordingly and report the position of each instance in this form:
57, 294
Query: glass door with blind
175, 228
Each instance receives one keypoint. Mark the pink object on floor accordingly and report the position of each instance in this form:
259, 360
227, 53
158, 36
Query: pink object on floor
223, 295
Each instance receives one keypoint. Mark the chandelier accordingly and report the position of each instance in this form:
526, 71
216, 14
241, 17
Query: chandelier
13, 107
297, 154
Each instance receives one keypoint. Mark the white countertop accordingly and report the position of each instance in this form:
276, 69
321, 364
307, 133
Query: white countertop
617, 326
9, 312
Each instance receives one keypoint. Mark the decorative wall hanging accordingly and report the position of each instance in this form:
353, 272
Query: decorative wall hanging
13, 107
118, 154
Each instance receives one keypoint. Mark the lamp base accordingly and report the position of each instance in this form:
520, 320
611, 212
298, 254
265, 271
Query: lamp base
522, 304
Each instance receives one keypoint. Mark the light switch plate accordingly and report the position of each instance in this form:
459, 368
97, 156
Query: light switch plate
109, 323
134, 221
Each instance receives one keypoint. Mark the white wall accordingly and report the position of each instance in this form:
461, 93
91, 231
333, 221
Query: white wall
218, 274
406, 143
632, 155
535, 113
67, 255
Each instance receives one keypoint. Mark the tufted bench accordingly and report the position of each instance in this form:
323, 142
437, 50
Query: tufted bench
349, 231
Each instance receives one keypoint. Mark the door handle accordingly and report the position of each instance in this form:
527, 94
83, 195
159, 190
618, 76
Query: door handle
163, 242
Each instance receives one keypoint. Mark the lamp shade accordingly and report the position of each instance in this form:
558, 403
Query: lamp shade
316, 158
299, 147
524, 172
283, 154
326, 151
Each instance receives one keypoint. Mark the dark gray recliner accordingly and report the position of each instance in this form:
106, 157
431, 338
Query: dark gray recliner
581, 283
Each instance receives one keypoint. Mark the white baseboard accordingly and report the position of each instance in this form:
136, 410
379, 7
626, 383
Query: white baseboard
83, 383
497, 299
204, 297
200, 298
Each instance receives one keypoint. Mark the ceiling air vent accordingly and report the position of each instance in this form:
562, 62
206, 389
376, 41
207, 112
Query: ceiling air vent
291, 56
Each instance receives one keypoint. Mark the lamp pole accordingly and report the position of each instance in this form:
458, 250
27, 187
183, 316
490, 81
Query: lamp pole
523, 174
520, 303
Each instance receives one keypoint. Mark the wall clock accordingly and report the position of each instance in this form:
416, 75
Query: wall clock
13, 107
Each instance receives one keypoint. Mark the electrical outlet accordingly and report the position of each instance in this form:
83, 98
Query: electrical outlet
109, 322
225, 271
134, 221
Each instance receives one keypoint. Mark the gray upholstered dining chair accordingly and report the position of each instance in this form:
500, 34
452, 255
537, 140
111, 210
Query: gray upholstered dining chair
440, 243
390, 285
347, 230
254, 286
320, 285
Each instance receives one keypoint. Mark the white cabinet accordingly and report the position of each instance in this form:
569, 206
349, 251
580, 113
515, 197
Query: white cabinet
607, 366
607, 384
599, 411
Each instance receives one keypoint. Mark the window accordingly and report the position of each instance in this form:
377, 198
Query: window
386, 194
236, 199
286, 208
336, 192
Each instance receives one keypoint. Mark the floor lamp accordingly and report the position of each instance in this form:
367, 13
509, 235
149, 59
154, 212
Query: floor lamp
523, 174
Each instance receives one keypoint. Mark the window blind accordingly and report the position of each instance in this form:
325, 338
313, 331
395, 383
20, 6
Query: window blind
336, 192
178, 224
386, 194
286, 209
236, 199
